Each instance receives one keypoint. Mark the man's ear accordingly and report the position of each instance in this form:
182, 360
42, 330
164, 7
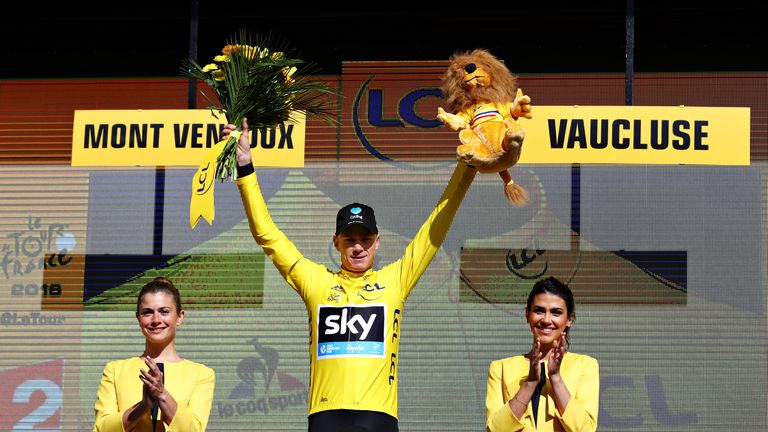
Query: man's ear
335, 240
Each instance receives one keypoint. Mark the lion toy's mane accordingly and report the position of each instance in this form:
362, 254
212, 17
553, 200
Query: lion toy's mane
503, 85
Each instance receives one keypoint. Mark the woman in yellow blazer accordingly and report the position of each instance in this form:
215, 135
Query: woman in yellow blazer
548, 389
158, 391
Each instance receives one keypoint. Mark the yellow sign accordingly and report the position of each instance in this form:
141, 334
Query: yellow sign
637, 135
174, 138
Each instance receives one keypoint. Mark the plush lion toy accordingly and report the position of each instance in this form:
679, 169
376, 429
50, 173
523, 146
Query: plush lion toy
485, 103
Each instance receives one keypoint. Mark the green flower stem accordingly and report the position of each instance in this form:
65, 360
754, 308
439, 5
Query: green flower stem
226, 162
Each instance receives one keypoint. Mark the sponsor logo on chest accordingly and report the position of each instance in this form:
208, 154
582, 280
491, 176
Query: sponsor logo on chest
350, 331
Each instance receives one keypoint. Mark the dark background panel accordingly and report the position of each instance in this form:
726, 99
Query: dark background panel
149, 39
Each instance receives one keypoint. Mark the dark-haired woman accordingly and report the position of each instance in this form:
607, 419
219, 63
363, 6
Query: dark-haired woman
549, 388
158, 391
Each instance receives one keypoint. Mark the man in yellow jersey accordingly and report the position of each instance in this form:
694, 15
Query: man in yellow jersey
355, 312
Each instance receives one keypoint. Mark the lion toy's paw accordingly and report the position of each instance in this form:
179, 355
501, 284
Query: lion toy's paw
451, 120
521, 107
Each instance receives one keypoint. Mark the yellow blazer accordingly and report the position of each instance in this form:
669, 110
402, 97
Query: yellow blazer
580, 374
191, 385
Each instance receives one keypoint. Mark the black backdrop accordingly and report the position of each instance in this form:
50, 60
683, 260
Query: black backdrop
149, 38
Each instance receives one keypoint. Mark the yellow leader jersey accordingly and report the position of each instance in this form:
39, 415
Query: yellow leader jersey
354, 318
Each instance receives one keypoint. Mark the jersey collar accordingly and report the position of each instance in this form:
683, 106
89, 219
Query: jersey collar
346, 274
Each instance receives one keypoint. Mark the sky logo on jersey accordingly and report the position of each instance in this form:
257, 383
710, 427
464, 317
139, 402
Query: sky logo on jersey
350, 331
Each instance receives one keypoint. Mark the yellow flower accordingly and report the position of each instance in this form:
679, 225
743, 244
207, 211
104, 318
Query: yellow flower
288, 73
249, 52
218, 75
277, 55
210, 67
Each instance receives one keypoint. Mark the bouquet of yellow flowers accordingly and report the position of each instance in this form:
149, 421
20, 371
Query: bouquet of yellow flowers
253, 80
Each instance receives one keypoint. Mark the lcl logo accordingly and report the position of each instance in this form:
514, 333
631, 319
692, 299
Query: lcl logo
406, 111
